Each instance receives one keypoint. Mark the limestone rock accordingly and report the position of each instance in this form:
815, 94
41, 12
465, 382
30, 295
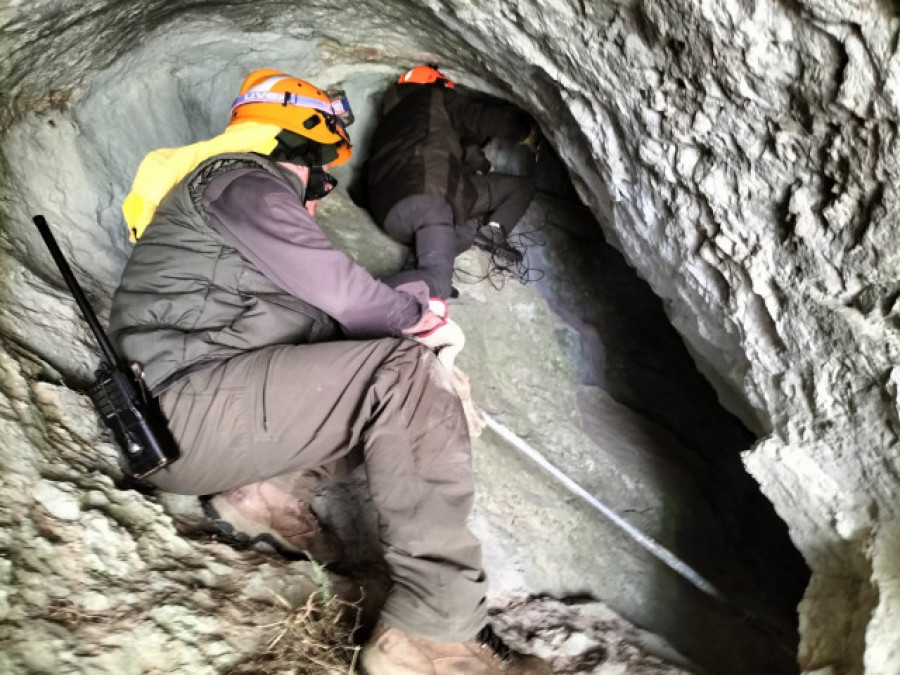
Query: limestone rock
742, 157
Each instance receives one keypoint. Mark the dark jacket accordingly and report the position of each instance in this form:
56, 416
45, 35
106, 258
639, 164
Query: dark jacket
194, 291
418, 146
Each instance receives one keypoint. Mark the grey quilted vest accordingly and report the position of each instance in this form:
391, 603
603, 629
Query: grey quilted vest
188, 299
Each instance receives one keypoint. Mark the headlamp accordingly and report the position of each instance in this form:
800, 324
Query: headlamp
340, 106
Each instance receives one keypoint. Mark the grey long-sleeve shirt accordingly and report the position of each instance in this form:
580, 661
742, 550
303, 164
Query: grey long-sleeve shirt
263, 218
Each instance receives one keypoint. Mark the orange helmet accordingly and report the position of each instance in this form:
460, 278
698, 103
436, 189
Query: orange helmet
272, 97
425, 75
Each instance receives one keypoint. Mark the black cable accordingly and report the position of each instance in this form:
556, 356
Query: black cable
501, 268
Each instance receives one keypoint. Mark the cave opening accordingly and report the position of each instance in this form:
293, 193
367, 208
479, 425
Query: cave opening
634, 420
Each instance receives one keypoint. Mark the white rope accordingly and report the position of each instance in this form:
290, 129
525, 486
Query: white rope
661, 553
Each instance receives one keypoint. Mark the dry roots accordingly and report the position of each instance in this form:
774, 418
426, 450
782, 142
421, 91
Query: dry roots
315, 638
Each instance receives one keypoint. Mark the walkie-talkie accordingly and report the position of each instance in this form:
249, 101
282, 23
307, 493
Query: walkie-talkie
118, 391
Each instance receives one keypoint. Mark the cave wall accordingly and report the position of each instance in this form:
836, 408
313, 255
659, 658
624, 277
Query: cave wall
756, 179
742, 155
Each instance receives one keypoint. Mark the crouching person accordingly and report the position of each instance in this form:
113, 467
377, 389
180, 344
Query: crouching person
272, 354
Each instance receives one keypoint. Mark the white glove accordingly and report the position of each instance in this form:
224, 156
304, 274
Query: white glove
446, 340
439, 307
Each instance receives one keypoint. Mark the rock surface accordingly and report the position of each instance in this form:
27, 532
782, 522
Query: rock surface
741, 156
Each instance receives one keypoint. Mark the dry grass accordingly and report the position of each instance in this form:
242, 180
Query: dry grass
313, 638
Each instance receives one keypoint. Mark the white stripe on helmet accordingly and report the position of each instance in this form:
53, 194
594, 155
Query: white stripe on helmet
268, 83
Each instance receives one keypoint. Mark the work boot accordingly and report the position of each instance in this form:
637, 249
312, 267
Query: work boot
390, 651
491, 238
262, 512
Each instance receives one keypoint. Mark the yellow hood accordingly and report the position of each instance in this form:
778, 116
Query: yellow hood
162, 169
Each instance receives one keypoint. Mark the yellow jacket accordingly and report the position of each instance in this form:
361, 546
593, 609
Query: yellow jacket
162, 169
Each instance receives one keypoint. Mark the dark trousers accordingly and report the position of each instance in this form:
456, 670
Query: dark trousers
502, 199
426, 223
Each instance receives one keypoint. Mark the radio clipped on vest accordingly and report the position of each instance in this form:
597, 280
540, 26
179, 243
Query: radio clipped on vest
118, 391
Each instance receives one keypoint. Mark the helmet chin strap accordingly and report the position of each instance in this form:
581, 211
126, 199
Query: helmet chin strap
296, 149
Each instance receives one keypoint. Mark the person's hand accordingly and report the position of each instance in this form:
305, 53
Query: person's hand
447, 341
428, 322
438, 332
433, 317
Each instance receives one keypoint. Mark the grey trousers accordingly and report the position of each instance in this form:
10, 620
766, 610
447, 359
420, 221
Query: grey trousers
292, 408
501, 198
426, 222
